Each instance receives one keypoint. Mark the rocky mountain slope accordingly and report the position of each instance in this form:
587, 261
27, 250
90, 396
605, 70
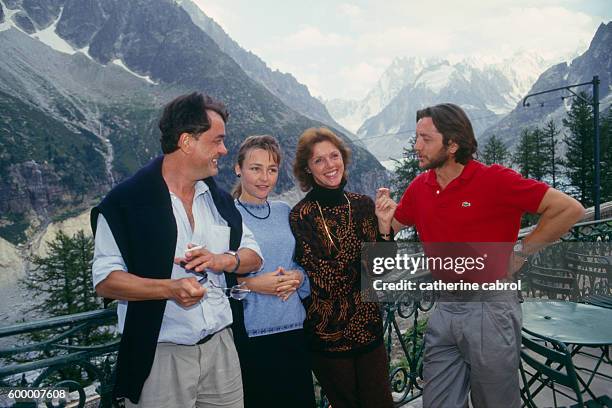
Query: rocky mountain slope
81, 87
283, 85
596, 60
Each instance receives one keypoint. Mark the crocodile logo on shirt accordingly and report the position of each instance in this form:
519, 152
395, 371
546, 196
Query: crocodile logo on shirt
466, 204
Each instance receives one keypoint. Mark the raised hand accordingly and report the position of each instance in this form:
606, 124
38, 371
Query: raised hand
385, 209
198, 259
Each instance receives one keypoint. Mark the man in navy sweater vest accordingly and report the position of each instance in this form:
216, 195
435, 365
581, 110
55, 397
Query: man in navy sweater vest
167, 241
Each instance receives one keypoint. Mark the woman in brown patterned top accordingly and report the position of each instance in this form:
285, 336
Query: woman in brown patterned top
329, 224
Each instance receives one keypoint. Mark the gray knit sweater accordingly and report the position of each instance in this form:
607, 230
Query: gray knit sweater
268, 314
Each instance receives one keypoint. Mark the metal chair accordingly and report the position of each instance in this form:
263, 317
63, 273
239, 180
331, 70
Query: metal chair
554, 369
599, 300
551, 282
593, 272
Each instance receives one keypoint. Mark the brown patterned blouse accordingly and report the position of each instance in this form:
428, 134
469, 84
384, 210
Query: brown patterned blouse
328, 247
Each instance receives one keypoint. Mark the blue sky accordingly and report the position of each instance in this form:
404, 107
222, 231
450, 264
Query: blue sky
340, 48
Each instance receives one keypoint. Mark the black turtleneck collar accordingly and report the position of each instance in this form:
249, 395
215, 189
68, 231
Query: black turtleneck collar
327, 196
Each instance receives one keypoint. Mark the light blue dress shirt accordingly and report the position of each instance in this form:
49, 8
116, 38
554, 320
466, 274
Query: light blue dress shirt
181, 325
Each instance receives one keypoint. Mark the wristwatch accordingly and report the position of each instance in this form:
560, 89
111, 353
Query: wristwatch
518, 250
235, 255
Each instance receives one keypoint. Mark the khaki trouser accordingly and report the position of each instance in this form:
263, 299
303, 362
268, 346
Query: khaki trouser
202, 376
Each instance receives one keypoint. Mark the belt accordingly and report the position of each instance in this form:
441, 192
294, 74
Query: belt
206, 338
477, 296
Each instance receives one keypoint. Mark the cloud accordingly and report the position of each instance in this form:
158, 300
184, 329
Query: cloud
350, 10
472, 27
312, 37
352, 42
402, 41
551, 30
351, 82
358, 79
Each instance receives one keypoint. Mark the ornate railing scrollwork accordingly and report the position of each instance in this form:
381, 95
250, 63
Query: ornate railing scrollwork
46, 362
52, 361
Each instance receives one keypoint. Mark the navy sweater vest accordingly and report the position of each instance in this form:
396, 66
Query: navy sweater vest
139, 213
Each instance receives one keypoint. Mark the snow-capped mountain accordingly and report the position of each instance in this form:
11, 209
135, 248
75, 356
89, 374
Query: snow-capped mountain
487, 89
400, 73
596, 60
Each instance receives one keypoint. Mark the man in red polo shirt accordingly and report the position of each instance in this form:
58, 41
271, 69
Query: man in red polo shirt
472, 342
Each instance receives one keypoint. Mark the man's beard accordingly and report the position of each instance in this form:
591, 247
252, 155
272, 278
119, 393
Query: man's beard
439, 160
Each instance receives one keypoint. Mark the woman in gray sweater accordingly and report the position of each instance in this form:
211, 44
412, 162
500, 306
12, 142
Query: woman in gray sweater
274, 359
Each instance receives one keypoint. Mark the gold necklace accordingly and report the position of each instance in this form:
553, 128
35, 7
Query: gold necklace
327, 231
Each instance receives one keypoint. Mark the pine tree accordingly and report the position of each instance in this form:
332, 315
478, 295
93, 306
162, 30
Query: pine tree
532, 155
539, 155
495, 152
579, 164
406, 170
62, 279
62, 282
606, 155
550, 135
522, 156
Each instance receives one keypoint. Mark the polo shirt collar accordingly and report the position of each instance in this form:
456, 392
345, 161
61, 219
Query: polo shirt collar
469, 170
431, 178
467, 173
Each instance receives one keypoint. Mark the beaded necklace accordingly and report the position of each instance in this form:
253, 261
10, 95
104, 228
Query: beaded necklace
253, 215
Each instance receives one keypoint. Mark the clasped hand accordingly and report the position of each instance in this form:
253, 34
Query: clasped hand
281, 283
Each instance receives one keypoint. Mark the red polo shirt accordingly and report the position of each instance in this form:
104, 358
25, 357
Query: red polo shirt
483, 204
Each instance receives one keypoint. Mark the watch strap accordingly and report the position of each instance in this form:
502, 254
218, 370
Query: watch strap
235, 255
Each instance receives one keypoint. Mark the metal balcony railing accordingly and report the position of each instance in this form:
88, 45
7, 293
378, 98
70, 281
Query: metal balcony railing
79, 351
